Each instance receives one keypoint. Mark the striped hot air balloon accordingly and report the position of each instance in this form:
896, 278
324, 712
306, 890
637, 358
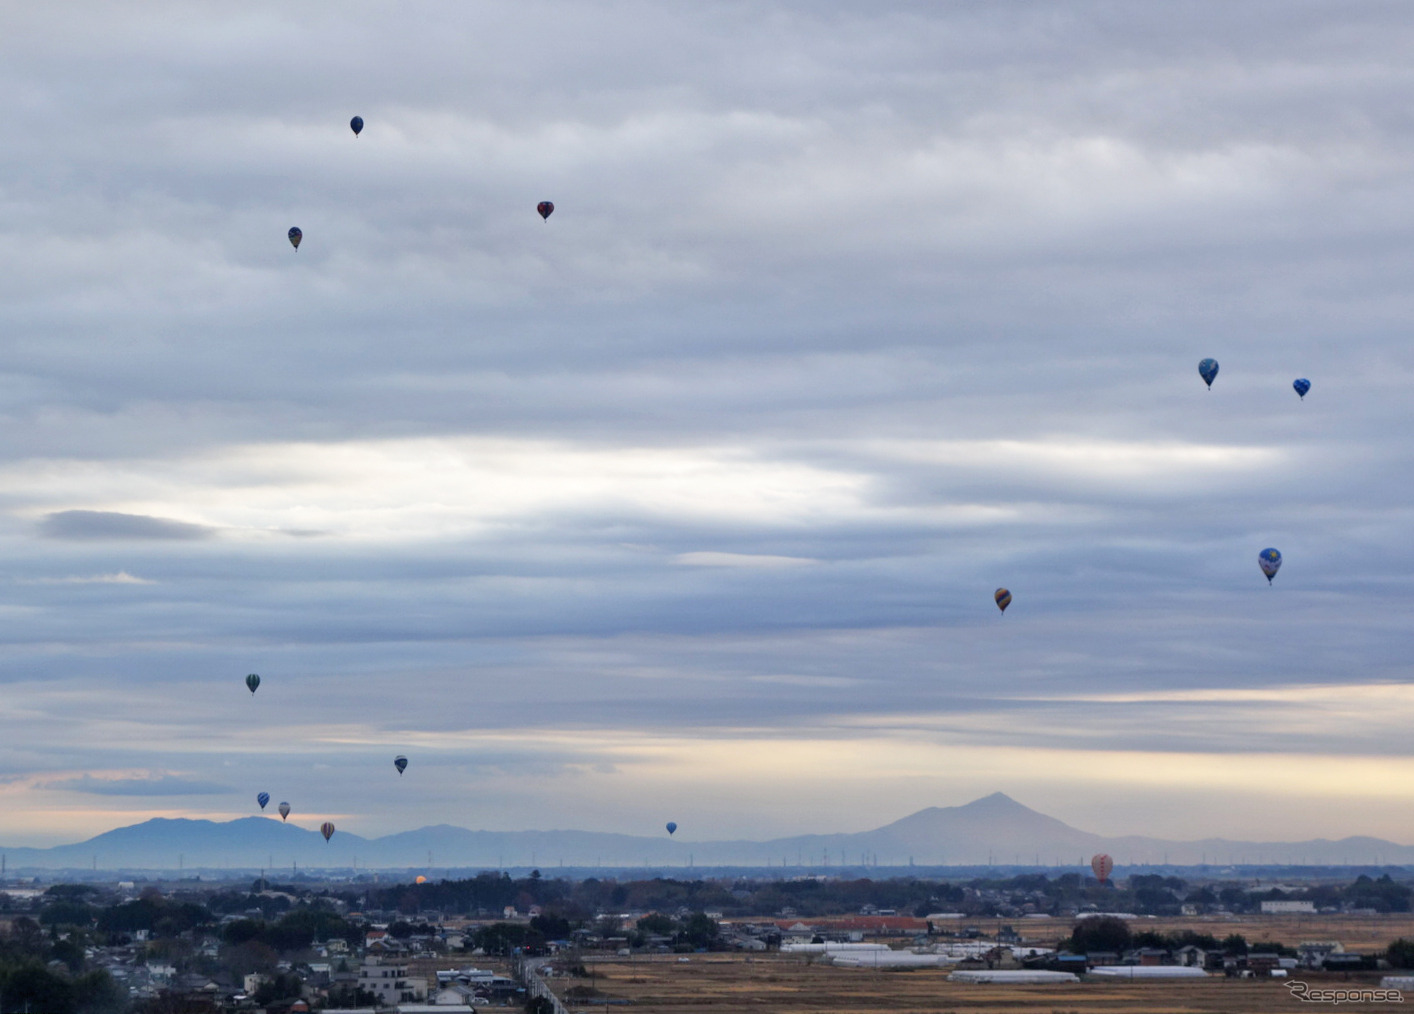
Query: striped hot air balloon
1102, 864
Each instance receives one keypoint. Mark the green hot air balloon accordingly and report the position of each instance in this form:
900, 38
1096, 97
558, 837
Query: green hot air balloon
252, 681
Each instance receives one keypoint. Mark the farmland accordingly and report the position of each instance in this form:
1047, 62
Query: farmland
792, 984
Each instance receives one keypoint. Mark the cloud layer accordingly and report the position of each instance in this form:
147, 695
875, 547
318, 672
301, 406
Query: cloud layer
692, 499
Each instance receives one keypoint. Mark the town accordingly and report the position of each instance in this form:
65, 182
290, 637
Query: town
194, 946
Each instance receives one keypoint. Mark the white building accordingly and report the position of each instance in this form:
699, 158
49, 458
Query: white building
1288, 907
388, 979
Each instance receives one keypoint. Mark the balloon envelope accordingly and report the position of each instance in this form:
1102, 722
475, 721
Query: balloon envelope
295, 236
356, 125
545, 207
1301, 385
401, 763
1270, 562
1003, 598
284, 809
327, 830
262, 799
672, 826
1102, 864
252, 681
1208, 370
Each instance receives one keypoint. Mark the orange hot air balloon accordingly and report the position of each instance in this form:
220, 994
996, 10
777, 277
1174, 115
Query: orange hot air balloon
421, 879
1102, 864
327, 830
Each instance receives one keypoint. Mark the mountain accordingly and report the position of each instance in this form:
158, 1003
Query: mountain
993, 830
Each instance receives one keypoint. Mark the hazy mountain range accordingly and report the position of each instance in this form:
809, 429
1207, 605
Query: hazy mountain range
994, 829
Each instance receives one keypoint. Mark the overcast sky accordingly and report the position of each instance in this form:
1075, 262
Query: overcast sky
689, 502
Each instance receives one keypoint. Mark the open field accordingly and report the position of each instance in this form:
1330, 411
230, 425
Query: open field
790, 985
1362, 933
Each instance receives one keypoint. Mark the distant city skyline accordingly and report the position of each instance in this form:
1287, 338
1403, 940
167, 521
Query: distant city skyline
689, 501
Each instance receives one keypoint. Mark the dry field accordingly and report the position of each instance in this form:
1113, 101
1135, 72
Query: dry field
791, 984
1363, 933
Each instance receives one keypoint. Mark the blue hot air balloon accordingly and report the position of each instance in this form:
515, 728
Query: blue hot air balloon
356, 125
262, 798
401, 763
1301, 385
1270, 562
295, 236
672, 826
1208, 370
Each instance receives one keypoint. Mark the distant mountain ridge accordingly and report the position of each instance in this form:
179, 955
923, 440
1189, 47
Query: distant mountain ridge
995, 829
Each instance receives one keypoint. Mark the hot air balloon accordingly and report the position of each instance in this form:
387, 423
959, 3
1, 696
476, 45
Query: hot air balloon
420, 879
284, 809
1208, 370
401, 763
262, 798
295, 236
1102, 864
252, 681
545, 207
1003, 598
356, 125
1270, 562
672, 826
327, 830
1301, 385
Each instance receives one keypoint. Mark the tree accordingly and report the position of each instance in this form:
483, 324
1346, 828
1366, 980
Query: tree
1234, 943
1102, 933
1400, 953
700, 930
285, 986
658, 925
551, 926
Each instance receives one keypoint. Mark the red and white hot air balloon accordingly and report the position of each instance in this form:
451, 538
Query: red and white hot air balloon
1102, 864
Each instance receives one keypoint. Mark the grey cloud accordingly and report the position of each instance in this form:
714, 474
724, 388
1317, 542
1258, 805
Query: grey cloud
165, 785
801, 229
115, 525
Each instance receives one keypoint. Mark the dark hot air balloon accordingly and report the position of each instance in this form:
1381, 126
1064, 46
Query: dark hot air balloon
545, 207
1301, 385
1003, 598
262, 798
356, 125
672, 826
1270, 562
1102, 864
252, 681
327, 830
1208, 370
295, 236
401, 763
284, 809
